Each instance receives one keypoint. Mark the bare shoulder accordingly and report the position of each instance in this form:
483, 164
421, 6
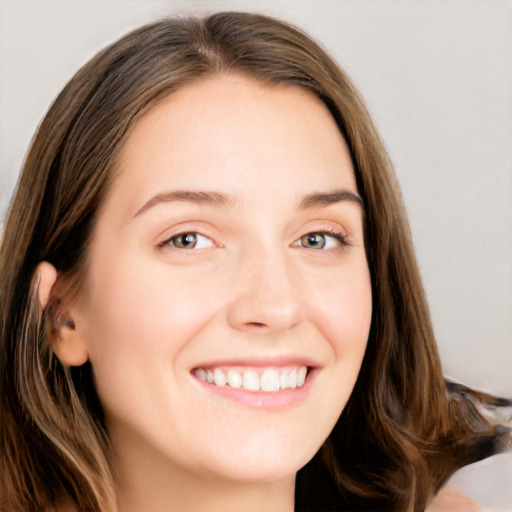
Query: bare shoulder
452, 500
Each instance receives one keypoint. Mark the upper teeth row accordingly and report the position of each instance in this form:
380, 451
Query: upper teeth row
270, 380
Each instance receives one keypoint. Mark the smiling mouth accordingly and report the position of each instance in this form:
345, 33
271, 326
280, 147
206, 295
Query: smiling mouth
269, 380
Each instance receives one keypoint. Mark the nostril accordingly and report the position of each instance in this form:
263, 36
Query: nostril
255, 325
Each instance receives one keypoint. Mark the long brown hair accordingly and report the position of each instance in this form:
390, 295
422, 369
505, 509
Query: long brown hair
398, 438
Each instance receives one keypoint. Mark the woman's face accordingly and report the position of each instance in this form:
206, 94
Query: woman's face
230, 247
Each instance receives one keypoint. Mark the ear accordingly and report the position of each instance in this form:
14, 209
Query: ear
66, 342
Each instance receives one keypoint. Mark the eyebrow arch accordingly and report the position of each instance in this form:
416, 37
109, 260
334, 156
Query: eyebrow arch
188, 196
320, 199
316, 199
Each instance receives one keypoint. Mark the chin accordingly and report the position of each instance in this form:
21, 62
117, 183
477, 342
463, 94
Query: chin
262, 461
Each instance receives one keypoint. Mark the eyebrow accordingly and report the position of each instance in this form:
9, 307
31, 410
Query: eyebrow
320, 199
217, 199
189, 196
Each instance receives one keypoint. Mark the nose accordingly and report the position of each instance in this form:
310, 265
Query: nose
266, 297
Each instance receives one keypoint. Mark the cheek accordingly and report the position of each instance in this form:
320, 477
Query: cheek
139, 322
145, 307
343, 310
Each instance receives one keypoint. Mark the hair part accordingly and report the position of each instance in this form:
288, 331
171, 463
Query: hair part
396, 441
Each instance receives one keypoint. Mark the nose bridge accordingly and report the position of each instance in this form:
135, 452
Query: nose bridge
266, 295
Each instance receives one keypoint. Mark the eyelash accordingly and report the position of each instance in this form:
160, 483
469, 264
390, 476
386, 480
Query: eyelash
328, 233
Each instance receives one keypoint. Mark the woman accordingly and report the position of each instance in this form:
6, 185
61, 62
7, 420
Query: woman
209, 294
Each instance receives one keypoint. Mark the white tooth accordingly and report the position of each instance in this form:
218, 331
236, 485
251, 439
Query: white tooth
270, 381
292, 379
209, 376
283, 380
219, 378
251, 381
234, 379
200, 374
301, 375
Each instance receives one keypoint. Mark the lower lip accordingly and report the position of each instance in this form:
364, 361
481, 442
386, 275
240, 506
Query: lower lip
262, 399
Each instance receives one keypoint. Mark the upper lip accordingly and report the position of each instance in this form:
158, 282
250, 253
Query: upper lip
262, 362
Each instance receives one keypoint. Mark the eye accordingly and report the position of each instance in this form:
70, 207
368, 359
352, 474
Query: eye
322, 240
189, 240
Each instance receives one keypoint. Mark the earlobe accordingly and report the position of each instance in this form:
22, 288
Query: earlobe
69, 347
66, 341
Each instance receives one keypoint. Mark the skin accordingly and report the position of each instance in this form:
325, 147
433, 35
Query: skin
251, 290
452, 500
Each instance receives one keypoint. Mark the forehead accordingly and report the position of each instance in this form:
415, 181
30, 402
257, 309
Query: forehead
233, 132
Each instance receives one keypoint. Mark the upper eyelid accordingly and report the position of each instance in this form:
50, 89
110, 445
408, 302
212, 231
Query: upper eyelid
183, 228
327, 227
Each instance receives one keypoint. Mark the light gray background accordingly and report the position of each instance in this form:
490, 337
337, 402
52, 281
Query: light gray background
437, 77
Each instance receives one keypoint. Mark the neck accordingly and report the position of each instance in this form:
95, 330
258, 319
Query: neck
208, 496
